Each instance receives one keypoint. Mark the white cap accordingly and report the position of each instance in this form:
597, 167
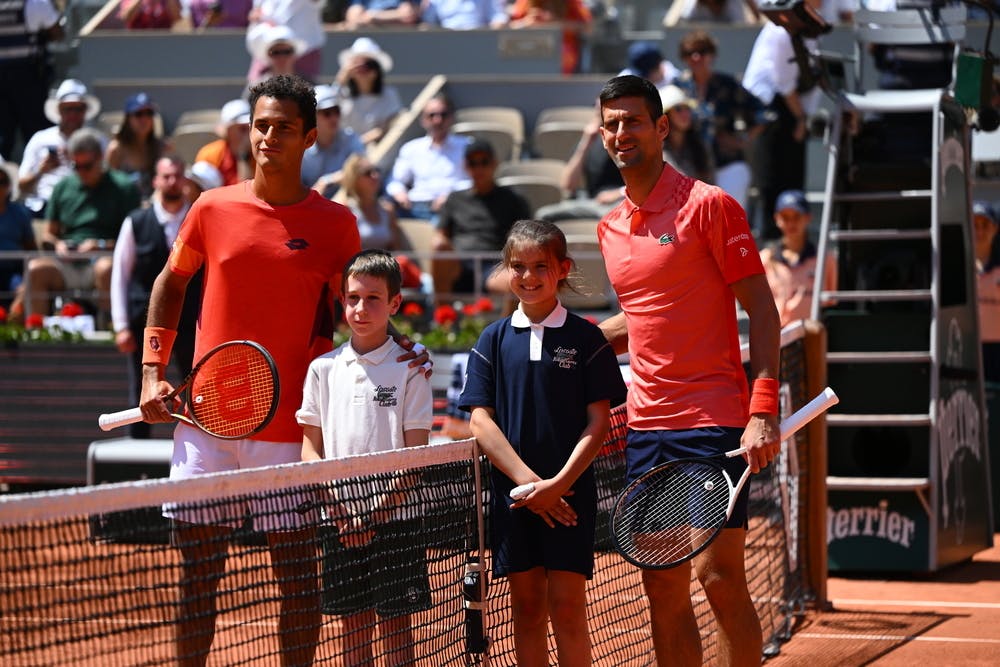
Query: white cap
235, 112
672, 96
205, 175
327, 97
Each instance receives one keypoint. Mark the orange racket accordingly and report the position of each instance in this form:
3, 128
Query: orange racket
231, 393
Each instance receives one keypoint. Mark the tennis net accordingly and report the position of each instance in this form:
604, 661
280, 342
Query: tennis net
88, 576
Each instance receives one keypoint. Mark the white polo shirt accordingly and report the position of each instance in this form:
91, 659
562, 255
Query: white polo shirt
363, 403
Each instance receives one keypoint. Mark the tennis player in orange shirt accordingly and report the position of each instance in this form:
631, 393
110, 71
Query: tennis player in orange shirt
273, 251
679, 253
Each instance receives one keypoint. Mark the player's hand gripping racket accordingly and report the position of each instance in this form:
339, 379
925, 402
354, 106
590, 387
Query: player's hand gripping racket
674, 511
232, 393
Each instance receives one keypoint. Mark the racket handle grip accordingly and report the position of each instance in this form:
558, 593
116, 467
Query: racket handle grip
120, 418
519, 492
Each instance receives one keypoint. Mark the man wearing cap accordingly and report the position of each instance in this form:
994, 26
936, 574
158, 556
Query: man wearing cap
476, 220
26, 26
790, 261
323, 161
83, 214
230, 153
141, 250
646, 60
429, 168
45, 161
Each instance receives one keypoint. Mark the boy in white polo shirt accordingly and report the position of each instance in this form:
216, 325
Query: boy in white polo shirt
358, 399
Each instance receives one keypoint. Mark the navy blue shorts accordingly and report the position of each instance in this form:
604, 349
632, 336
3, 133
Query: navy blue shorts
647, 449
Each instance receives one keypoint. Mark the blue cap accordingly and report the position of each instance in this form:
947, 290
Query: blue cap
793, 199
644, 57
980, 207
138, 102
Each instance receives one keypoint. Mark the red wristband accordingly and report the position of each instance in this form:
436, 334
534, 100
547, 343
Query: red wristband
157, 342
764, 397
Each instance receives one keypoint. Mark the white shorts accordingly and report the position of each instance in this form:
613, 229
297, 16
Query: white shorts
198, 453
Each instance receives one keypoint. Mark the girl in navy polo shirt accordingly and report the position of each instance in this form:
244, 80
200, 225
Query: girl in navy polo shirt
540, 386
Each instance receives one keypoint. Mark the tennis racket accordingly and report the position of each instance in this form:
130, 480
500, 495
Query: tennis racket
231, 394
672, 512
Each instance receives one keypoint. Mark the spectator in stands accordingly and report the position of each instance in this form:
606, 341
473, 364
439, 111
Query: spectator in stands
591, 171
645, 59
429, 168
984, 227
141, 250
199, 177
323, 161
572, 15
377, 222
45, 161
83, 214
779, 153
733, 12
277, 47
149, 14
729, 116
464, 14
683, 148
16, 233
790, 262
368, 105
364, 14
231, 152
303, 17
25, 68
476, 220
204, 14
135, 148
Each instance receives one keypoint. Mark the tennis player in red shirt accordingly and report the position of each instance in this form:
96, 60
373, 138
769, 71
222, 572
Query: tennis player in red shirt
273, 252
679, 254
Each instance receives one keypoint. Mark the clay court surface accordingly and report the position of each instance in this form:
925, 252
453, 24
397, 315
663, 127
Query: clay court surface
951, 617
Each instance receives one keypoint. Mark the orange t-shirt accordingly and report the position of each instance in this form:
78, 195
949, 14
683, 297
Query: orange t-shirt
271, 275
671, 262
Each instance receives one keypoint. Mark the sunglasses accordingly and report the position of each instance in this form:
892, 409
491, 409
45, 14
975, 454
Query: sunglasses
144, 113
431, 115
703, 51
372, 172
73, 108
478, 163
84, 166
276, 53
332, 111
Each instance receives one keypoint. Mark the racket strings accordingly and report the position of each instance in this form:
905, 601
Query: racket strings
670, 515
233, 391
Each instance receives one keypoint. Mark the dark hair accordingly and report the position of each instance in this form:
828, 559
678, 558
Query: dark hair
377, 85
697, 40
153, 146
537, 234
377, 264
441, 97
632, 86
288, 87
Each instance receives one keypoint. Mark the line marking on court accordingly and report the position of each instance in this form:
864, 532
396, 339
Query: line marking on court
896, 638
914, 603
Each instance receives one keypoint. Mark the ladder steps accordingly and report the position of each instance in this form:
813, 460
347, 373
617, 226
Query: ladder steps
878, 295
879, 234
840, 419
882, 195
834, 483
915, 356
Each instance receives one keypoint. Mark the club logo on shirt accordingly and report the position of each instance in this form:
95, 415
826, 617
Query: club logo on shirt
385, 397
667, 238
297, 244
564, 358
743, 251
154, 343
